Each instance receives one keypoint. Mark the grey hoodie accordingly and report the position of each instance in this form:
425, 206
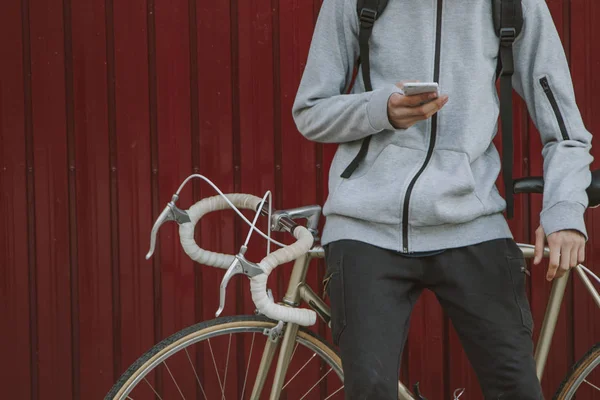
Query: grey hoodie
454, 202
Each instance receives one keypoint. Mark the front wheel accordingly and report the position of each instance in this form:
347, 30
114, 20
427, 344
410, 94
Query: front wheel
583, 382
220, 359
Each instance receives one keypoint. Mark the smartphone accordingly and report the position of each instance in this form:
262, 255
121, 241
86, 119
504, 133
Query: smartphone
412, 88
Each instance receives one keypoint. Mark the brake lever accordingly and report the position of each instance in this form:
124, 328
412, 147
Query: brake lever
170, 213
239, 266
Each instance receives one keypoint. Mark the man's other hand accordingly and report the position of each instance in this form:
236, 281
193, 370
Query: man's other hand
405, 111
567, 250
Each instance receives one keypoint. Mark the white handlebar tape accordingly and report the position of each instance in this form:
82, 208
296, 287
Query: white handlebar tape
258, 284
197, 211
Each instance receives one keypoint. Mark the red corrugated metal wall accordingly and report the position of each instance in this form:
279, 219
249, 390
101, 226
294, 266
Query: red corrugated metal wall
105, 106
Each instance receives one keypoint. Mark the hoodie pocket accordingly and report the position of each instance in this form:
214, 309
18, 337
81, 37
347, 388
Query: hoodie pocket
446, 192
376, 194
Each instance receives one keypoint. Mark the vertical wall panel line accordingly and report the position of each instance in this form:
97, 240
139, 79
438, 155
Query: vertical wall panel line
235, 94
30, 184
236, 149
590, 71
195, 147
567, 28
195, 142
570, 298
277, 140
114, 188
237, 160
320, 185
236, 142
447, 356
528, 232
153, 112
316, 8
72, 198
194, 94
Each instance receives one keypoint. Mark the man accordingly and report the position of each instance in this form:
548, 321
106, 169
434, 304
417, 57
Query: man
421, 210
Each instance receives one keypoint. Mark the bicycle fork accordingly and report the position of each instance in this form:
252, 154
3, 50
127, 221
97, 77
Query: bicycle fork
275, 340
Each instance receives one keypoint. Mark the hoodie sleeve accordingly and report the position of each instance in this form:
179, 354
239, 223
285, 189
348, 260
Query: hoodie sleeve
542, 78
321, 111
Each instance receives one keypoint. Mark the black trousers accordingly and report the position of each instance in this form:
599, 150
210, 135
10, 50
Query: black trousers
480, 287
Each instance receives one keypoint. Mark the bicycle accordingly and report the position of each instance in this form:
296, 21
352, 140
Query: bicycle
191, 351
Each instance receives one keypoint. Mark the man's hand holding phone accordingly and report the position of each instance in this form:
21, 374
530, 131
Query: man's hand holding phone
406, 110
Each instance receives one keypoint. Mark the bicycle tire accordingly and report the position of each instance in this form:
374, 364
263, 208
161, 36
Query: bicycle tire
144, 364
579, 372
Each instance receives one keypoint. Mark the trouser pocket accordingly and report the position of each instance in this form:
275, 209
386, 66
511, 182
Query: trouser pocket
333, 286
518, 270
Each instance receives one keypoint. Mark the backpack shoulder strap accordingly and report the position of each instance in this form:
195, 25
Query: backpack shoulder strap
508, 14
368, 12
508, 23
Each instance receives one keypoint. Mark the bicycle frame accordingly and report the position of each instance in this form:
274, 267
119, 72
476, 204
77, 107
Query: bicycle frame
298, 291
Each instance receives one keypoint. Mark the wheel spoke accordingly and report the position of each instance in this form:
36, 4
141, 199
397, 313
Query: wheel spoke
301, 374
300, 370
294, 352
152, 387
334, 393
248, 366
215, 364
195, 373
226, 367
315, 385
174, 381
592, 385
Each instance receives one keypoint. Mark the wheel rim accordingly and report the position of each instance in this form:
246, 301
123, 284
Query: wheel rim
307, 354
587, 384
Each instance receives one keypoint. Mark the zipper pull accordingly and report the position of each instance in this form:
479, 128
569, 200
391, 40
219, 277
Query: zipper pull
545, 85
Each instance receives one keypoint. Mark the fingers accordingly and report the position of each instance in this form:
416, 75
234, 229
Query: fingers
408, 122
554, 260
403, 114
565, 260
567, 249
434, 106
426, 110
581, 254
574, 255
399, 111
397, 100
540, 239
418, 99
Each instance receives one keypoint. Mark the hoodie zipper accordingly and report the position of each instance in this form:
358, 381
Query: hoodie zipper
561, 122
436, 77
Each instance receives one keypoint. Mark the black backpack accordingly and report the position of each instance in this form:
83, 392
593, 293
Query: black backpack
508, 22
